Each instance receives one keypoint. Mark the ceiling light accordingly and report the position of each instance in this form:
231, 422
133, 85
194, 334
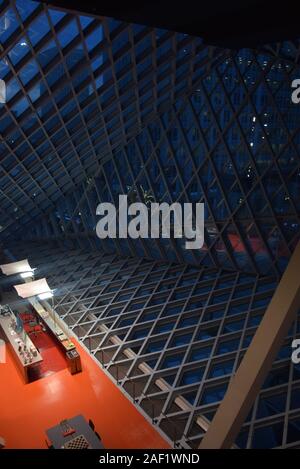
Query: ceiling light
46, 295
27, 274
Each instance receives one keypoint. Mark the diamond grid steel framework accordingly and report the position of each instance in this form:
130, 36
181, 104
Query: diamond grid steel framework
149, 112
233, 144
171, 336
98, 108
77, 88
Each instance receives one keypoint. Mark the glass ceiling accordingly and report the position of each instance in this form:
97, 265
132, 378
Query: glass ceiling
97, 108
77, 88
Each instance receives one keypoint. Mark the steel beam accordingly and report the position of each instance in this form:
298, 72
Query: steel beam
257, 361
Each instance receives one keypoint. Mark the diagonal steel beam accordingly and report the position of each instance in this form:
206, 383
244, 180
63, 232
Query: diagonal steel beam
258, 360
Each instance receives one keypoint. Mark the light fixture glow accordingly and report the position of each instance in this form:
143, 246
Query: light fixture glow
46, 295
27, 274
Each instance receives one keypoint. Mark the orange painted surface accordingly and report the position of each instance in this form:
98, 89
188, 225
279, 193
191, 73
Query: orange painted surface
27, 410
